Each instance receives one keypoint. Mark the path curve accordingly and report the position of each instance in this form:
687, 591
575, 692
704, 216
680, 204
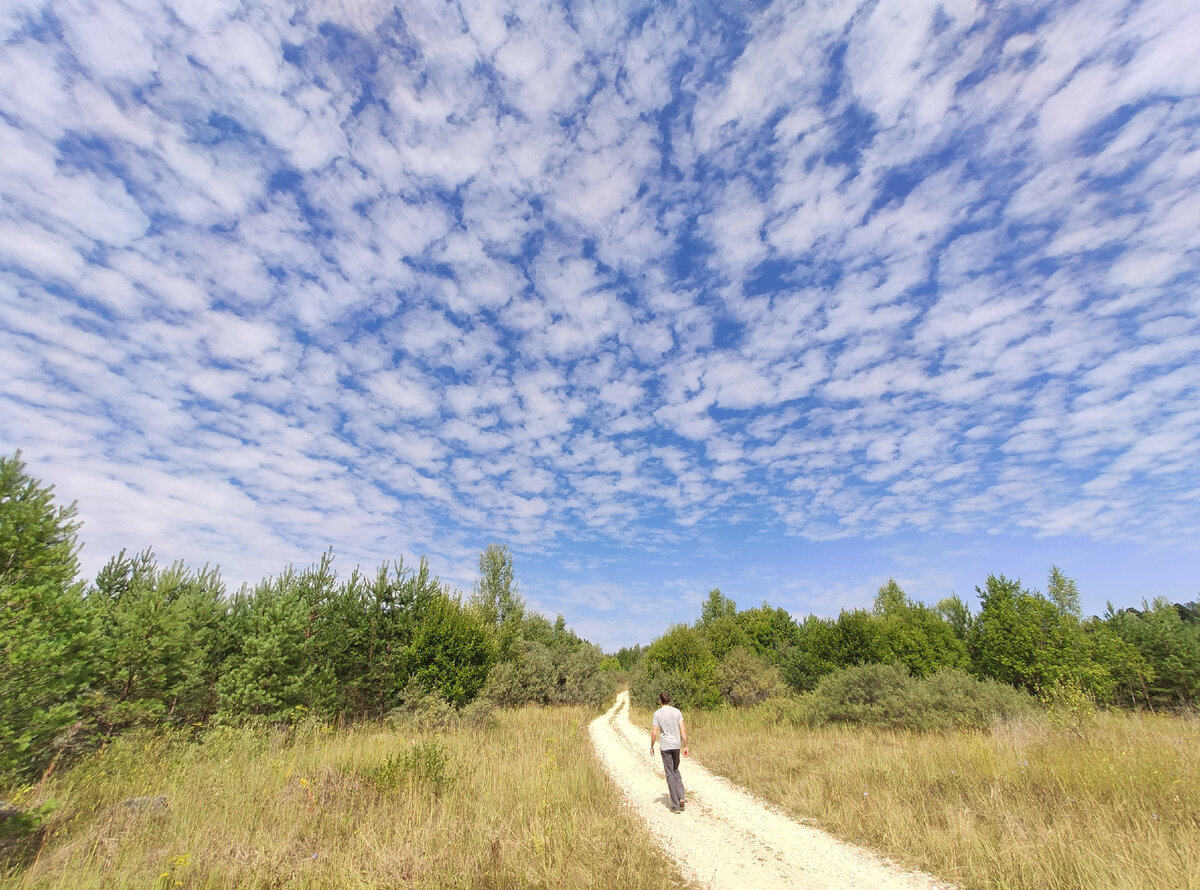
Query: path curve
727, 838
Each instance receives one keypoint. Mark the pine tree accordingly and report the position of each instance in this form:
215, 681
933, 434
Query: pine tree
45, 638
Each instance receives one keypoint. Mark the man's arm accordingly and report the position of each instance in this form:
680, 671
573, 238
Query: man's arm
653, 737
682, 736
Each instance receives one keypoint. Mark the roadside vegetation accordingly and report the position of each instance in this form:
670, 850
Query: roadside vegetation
516, 800
1026, 805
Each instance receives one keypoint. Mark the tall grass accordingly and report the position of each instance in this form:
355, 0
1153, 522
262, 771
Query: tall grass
1024, 806
521, 802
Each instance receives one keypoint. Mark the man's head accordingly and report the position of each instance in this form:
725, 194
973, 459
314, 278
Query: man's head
664, 698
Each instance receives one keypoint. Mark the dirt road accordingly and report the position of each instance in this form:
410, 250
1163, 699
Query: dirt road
726, 838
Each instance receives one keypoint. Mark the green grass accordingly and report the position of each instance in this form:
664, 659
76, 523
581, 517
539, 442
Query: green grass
520, 803
1021, 807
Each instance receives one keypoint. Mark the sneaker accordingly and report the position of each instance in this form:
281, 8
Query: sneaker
676, 810
682, 804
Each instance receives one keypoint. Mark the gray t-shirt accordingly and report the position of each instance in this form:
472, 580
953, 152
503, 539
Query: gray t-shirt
669, 720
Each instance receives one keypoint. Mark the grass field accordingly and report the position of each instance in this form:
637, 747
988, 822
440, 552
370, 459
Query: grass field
521, 803
1023, 807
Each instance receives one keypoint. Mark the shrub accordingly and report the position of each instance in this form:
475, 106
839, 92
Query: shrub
745, 680
955, 698
570, 673
423, 710
873, 694
1069, 708
889, 696
423, 764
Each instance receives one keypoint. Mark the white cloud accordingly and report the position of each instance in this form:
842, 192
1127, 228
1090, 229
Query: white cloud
561, 277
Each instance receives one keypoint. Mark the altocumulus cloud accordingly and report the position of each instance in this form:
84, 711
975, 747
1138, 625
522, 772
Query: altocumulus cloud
600, 278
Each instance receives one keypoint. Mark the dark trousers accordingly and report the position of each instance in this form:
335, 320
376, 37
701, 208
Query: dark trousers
674, 780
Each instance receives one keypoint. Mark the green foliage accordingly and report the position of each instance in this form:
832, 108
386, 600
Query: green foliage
1115, 671
496, 599
1064, 593
371, 625
723, 634
769, 631
953, 697
872, 694
918, 638
581, 679
1039, 644
628, 656
745, 679
567, 671
888, 695
530, 676
715, 607
678, 662
423, 709
45, 638
890, 599
1068, 707
452, 651
278, 664
1023, 638
1167, 637
424, 764
958, 615
859, 639
813, 654
38, 538
160, 639
45, 645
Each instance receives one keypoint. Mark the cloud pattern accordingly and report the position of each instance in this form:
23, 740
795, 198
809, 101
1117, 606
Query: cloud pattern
584, 276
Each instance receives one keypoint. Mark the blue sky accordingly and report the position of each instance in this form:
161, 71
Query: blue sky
785, 298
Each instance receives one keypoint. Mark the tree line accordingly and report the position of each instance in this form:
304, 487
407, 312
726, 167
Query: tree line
1039, 643
144, 645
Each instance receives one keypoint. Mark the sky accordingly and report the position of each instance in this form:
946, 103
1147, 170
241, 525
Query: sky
781, 298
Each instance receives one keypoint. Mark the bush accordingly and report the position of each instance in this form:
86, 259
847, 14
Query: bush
429, 711
889, 696
871, 694
566, 674
1069, 708
745, 680
955, 698
423, 764
423, 710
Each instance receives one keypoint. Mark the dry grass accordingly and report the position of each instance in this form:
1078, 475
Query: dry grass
522, 803
1024, 806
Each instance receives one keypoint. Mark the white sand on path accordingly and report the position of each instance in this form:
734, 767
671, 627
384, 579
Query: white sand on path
726, 837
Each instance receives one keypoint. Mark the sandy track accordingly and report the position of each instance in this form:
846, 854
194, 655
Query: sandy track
727, 838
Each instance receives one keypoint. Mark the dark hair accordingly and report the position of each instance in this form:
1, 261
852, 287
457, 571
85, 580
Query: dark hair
664, 698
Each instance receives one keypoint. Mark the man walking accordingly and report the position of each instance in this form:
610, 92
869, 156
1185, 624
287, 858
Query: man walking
668, 723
